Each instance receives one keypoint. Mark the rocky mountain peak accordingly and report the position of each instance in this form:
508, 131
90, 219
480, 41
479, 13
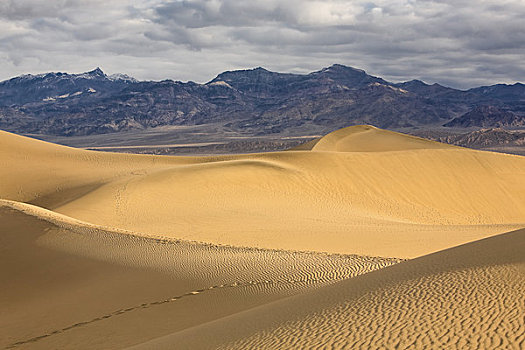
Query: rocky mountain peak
252, 99
97, 72
348, 76
342, 68
247, 74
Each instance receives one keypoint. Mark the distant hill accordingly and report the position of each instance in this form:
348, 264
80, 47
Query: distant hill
255, 101
491, 139
488, 116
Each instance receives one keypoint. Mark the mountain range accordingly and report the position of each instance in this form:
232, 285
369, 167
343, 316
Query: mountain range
256, 101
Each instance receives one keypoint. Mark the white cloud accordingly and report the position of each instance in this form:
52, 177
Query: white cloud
457, 42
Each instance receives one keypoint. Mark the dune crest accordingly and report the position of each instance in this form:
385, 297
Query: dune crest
296, 249
470, 296
367, 138
65, 281
424, 197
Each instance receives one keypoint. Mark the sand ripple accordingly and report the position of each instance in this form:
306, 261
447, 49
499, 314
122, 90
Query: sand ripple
192, 275
469, 297
296, 254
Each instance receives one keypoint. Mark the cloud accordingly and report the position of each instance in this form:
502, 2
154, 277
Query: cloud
461, 43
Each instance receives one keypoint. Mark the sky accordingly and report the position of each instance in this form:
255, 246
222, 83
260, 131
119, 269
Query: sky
457, 43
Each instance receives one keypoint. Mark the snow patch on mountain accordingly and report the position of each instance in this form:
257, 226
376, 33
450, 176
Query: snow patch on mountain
220, 83
389, 87
123, 77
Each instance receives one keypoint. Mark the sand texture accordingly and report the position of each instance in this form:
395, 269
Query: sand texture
66, 282
403, 203
305, 248
468, 297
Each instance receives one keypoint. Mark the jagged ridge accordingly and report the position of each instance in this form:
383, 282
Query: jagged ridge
255, 100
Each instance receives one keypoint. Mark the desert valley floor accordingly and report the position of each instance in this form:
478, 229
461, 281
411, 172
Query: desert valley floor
361, 239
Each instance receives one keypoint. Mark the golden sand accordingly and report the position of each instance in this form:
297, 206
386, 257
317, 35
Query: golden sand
467, 297
106, 250
403, 203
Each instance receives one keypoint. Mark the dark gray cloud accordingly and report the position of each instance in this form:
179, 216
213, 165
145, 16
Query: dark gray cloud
461, 43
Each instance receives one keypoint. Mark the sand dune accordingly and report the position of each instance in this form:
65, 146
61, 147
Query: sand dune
465, 297
106, 250
366, 138
66, 282
382, 203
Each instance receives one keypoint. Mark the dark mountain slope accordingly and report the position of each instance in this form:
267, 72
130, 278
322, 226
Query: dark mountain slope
254, 101
488, 116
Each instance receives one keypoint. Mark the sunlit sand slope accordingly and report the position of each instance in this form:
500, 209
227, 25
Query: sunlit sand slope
67, 284
103, 250
339, 198
366, 138
470, 297
33, 170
